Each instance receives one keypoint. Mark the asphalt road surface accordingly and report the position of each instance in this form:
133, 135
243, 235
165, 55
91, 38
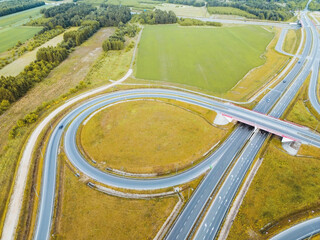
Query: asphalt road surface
216, 161
215, 215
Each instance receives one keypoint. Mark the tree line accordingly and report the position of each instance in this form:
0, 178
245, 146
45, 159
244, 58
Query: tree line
314, 5
12, 88
262, 9
116, 41
73, 14
155, 17
196, 22
9, 7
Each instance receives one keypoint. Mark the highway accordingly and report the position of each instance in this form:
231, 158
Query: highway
300, 231
218, 162
215, 215
213, 219
311, 227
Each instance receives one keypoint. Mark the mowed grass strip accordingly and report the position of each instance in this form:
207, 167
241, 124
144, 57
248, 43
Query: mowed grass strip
89, 214
11, 35
213, 59
292, 41
147, 137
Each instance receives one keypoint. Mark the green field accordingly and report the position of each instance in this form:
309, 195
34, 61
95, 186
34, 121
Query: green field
17, 19
10, 36
12, 31
213, 59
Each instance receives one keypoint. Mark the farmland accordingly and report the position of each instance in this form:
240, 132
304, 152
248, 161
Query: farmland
12, 31
201, 57
10, 36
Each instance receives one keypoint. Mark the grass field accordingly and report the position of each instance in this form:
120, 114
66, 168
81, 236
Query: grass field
292, 41
12, 31
17, 66
284, 190
230, 11
89, 214
261, 75
67, 75
9, 36
213, 59
20, 18
147, 137
184, 10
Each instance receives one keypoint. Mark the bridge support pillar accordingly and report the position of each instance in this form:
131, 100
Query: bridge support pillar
291, 146
222, 119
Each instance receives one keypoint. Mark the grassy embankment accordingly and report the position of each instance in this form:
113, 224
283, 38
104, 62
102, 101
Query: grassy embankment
230, 11
11, 30
89, 214
285, 189
292, 41
212, 59
66, 76
148, 137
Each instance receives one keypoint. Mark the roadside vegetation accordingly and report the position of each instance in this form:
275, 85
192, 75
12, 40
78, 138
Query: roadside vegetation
285, 190
196, 22
292, 41
148, 137
89, 214
201, 57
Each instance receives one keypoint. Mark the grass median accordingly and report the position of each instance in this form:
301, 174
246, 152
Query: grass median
148, 137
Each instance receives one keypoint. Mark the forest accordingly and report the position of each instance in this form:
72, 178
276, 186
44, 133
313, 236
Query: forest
268, 10
155, 17
9, 7
12, 88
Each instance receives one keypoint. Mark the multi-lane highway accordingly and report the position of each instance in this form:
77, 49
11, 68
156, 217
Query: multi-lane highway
215, 215
310, 227
217, 163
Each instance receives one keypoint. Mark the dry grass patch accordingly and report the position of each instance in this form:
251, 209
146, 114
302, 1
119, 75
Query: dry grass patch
292, 41
259, 76
89, 214
148, 136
